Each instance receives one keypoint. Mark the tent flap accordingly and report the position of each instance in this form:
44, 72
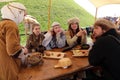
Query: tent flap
5, 0
99, 3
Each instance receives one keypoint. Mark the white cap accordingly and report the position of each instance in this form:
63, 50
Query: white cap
55, 24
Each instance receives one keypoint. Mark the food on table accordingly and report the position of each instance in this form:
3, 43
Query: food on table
58, 55
47, 54
52, 54
34, 59
80, 52
63, 63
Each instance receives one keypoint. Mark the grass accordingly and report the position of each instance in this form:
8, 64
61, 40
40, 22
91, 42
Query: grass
61, 11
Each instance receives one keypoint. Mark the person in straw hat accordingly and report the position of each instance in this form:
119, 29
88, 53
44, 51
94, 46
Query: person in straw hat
74, 34
10, 48
29, 20
55, 38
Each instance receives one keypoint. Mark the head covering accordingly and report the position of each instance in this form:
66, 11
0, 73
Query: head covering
14, 11
73, 20
30, 19
104, 24
55, 24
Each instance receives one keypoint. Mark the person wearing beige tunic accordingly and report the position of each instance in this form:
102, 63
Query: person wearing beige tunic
10, 48
75, 34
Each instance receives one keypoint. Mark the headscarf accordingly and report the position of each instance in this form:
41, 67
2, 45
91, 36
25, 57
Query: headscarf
13, 11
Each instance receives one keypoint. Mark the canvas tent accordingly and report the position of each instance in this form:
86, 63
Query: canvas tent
99, 3
5, 0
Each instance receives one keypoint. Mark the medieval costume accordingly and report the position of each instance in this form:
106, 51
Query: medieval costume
106, 49
71, 34
34, 43
10, 48
55, 39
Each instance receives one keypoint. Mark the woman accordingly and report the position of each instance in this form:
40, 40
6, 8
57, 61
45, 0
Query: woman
75, 35
55, 38
106, 49
10, 48
34, 42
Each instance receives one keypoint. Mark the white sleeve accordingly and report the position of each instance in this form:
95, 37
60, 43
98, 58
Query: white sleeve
22, 56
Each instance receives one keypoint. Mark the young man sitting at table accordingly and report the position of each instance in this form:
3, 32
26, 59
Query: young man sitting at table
106, 49
34, 41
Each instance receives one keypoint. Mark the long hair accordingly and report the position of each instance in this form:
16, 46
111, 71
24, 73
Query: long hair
72, 33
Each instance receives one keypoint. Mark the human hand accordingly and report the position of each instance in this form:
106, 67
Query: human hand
84, 32
50, 31
93, 37
59, 32
25, 50
79, 33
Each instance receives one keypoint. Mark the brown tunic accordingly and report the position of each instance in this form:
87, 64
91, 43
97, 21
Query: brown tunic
9, 46
34, 43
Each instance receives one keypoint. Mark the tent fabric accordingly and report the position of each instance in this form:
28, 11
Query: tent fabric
5, 0
99, 3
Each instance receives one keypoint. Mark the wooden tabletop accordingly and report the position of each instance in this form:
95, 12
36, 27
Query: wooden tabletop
47, 70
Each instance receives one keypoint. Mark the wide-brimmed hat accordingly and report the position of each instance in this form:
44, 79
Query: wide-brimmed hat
73, 20
30, 19
55, 24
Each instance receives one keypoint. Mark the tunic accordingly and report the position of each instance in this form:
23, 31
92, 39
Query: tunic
9, 46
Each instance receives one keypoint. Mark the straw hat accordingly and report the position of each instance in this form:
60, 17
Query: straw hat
30, 19
73, 20
63, 63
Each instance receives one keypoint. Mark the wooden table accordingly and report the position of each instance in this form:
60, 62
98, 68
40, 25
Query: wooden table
48, 72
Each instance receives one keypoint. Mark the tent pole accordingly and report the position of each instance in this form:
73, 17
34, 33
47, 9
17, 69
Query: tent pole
49, 9
96, 14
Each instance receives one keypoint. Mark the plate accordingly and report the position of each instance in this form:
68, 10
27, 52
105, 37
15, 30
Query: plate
54, 55
80, 53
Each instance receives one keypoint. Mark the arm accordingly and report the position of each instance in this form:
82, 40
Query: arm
97, 53
61, 40
12, 39
47, 39
28, 43
70, 41
83, 34
84, 39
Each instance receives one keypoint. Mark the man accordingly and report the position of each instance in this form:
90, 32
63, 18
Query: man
10, 48
34, 41
106, 49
